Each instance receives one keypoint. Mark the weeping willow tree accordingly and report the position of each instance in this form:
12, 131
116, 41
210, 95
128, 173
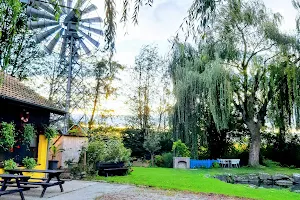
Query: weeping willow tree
201, 88
244, 72
284, 109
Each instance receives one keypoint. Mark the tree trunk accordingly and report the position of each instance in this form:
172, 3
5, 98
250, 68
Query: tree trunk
255, 143
152, 159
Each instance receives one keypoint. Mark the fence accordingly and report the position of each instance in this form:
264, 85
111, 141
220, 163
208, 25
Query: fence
202, 163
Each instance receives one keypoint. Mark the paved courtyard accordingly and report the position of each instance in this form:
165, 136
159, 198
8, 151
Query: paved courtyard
88, 190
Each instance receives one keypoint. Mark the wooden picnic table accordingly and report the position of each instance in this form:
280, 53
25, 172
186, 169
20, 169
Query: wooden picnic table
45, 183
7, 178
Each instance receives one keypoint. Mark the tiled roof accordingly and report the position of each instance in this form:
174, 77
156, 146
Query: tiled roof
13, 89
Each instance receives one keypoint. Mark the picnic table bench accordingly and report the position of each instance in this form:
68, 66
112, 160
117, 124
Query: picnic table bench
7, 179
45, 183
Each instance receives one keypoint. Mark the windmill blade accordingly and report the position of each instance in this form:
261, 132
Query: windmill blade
80, 3
85, 48
41, 24
93, 41
97, 31
30, 11
89, 9
62, 5
63, 48
53, 42
46, 34
69, 5
45, 6
91, 20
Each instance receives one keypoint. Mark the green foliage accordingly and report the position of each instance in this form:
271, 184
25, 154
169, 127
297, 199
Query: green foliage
29, 163
7, 139
50, 133
158, 161
54, 150
216, 165
29, 134
116, 152
152, 143
111, 150
134, 140
180, 149
167, 160
10, 164
270, 163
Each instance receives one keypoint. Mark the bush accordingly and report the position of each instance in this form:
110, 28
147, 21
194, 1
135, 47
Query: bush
216, 165
180, 149
158, 161
112, 150
29, 163
164, 160
116, 152
270, 163
10, 164
168, 160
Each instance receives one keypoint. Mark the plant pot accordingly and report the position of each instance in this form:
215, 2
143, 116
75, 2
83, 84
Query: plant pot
52, 164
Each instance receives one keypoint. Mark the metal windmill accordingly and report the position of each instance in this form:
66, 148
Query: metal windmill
71, 29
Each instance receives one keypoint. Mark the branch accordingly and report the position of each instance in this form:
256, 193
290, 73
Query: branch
245, 44
255, 53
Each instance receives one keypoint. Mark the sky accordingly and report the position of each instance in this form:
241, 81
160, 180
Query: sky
156, 26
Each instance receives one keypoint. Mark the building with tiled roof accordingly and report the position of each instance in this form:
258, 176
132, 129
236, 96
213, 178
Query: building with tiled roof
21, 106
13, 89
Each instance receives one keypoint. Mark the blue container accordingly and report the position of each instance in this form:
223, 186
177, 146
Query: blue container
202, 163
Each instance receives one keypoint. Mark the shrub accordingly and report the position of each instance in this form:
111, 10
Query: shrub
29, 163
158, 161
112, 150
116, 152
216, 165
168, 160
10, 164
180, 149
95, 152
270, 163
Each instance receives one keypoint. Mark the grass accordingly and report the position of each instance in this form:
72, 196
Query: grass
201, 181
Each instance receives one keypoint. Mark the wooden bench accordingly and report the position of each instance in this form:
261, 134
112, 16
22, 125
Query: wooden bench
115, 171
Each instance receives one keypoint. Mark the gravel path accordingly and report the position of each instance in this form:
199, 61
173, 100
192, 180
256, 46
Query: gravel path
88, 190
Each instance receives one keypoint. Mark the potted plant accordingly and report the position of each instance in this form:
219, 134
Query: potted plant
29, 163
10, 164
54, 150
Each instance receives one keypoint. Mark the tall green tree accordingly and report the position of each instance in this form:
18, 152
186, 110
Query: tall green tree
145, 78
12, 23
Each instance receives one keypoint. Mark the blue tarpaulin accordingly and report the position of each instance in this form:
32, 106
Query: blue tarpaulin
202, 163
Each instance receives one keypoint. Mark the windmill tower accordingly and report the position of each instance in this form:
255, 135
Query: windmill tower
71, 28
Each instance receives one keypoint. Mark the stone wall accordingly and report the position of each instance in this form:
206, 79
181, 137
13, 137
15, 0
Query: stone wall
276, 179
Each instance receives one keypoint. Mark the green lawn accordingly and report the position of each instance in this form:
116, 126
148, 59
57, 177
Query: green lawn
200, 181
